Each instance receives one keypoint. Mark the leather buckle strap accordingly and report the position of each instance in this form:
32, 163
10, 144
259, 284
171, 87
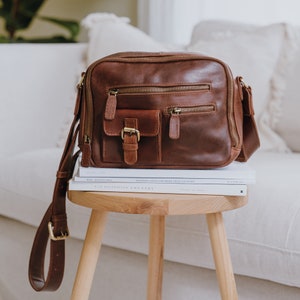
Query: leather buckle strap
37, 278
130, 136
250, 133
130, 131
246, 95
54, 225
53, 237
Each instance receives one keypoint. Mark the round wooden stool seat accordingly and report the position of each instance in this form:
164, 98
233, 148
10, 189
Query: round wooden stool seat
158, 206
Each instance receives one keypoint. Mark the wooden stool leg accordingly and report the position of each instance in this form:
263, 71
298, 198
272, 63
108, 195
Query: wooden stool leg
221, 256
89, 256
156, 257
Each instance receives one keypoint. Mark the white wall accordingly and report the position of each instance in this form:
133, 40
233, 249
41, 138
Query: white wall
173, 20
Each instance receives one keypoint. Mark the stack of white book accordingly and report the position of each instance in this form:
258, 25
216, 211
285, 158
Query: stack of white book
230, 180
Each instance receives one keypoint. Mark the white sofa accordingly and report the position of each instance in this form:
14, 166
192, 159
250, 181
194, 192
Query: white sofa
37, 98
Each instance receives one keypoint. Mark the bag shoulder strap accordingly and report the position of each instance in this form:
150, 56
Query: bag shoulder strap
250, 133
54, 222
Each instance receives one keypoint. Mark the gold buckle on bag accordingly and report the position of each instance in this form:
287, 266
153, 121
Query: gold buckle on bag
62, 236
131, 131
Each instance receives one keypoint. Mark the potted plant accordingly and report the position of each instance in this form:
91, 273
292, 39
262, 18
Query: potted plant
19, 14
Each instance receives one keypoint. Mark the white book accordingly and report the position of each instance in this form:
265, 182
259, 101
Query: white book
235, 173
134, 187
164, 180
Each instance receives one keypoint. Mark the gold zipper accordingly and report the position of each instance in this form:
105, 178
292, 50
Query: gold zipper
88, 118
111, 102
159, 89
80, 83
231, 120
192, 109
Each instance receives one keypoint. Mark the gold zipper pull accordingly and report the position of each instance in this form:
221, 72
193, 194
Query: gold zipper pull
87, 139
80, 83
86, 151
111, 105
174, 125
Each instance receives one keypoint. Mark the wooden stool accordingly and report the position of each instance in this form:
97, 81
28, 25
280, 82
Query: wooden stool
157, 206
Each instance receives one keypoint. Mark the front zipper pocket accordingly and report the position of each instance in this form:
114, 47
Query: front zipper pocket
113, 93
176, 112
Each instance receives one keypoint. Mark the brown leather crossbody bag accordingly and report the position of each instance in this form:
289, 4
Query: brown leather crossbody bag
147, 110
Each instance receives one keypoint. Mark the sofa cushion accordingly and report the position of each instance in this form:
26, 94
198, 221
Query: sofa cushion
26, 183
26, 186
248, 49
287, 123
219, 29
263, 236
110, 34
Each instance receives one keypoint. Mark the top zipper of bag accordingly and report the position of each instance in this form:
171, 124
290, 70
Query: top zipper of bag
158, 89
111, 103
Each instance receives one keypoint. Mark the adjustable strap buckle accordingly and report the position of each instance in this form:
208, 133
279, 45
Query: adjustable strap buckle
131, 131
246, 96
61, 237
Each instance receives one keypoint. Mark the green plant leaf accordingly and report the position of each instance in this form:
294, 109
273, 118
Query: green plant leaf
4, 39
70, 25
18, 14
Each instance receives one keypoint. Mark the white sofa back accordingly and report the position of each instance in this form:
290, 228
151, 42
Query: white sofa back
38, 88
288, 123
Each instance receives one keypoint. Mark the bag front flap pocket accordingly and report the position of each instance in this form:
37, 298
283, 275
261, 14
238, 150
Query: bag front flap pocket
131, 134
147, 122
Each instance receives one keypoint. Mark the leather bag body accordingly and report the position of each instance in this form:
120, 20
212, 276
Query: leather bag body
146, 110
167, 110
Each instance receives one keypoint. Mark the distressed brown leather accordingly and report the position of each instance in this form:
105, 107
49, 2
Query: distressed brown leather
141, 110
199, 106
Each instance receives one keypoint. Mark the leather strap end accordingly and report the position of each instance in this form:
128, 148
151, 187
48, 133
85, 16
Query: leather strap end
248, 108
